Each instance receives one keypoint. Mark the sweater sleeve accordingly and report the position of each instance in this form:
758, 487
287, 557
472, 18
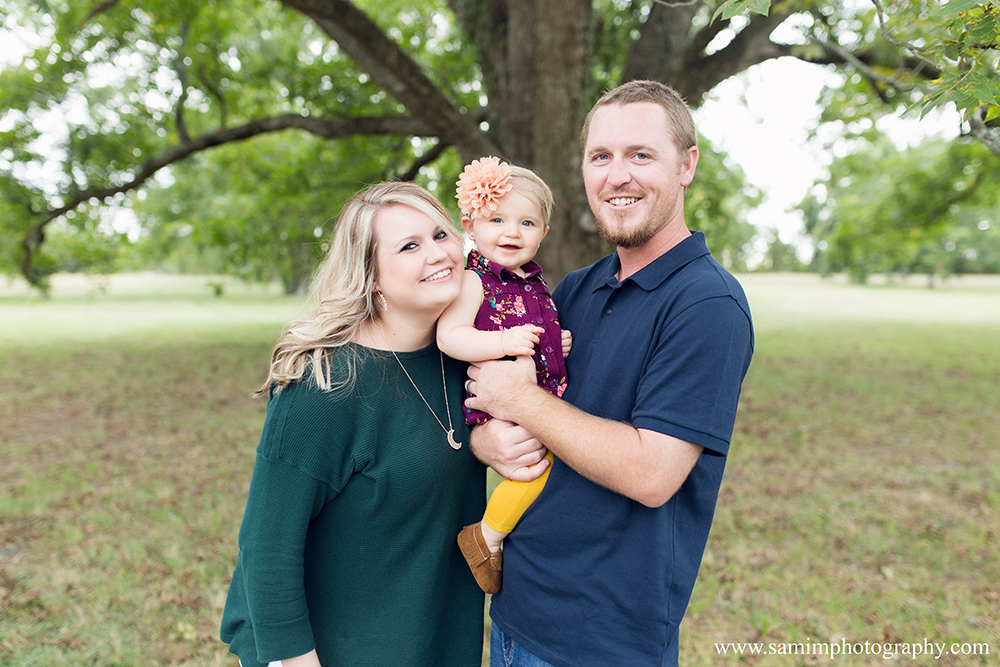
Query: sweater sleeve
287, 490
280, 504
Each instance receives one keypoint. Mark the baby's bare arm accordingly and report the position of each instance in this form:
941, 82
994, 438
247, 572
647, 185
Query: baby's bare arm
458, 337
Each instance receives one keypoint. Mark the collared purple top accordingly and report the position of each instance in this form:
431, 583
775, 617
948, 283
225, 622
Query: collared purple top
509, 301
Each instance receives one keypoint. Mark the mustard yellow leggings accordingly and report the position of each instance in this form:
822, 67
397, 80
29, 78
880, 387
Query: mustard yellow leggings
510, 500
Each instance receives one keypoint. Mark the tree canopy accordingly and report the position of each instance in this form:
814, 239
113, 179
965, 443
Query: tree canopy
113, 97
931, 209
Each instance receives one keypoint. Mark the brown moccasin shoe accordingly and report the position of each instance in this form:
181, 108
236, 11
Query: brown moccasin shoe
485, 566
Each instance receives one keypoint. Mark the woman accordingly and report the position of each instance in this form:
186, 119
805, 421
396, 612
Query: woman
347, 552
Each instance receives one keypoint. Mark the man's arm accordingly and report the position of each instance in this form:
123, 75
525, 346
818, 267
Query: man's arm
644, 465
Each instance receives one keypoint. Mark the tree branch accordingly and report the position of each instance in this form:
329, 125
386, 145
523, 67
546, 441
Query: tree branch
326, 128
103, 7
862, 67
705, 36
658, 53
990, 137
751, 46
424, 160
393, 69
182, 130
216, 93
916, 51
837, 55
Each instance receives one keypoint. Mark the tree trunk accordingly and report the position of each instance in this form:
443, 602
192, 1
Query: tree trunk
559, 33
535, 59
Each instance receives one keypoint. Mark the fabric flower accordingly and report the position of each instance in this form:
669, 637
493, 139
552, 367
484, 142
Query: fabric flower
481, 186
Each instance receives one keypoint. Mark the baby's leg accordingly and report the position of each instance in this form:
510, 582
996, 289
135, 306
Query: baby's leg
508, 503
494, 538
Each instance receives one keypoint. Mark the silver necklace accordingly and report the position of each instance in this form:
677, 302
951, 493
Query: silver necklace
451, 429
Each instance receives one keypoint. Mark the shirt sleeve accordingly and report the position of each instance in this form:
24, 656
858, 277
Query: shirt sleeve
691, 387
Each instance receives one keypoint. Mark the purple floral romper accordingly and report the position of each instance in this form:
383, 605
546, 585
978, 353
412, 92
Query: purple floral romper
509, 301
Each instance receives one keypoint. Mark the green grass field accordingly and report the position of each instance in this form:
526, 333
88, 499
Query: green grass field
861, 499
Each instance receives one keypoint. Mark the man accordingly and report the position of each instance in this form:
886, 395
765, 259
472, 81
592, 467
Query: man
600, 569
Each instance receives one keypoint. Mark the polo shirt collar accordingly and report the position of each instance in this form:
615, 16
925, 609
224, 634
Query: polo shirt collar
653, 274
531, 269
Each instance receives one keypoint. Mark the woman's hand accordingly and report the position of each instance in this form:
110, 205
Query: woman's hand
310, 659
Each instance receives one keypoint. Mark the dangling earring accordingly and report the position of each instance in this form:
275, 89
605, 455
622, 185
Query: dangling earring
385, 304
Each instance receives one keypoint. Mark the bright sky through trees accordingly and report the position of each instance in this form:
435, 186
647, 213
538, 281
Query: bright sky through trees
764, 125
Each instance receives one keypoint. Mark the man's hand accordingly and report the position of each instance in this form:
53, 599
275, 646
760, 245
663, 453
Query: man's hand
497, 384
520, 340
509, 449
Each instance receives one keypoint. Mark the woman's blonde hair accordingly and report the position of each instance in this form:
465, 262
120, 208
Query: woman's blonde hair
343, 288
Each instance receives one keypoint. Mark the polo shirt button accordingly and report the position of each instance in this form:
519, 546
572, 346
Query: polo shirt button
538, 320
548, 348
607, 312
527, 288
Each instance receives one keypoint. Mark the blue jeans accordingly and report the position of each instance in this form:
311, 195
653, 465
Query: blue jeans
505, 652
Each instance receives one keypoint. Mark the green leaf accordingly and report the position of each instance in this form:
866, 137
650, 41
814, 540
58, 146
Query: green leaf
732, 8
930, 106
949, 49
930, 102
982, 88
984, 29
926, 103
956, 7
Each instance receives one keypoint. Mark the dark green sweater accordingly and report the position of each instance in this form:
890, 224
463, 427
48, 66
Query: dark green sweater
348, 539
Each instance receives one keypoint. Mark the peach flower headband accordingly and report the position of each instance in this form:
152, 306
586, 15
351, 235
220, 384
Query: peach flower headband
481, 186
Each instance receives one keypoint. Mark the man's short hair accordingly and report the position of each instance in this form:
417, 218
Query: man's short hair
679, 117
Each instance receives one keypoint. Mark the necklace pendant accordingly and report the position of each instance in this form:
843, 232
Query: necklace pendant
444, 387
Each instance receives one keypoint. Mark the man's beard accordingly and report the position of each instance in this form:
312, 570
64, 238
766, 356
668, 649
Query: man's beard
630, 238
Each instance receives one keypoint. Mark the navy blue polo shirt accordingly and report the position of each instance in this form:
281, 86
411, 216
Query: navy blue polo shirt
590, 576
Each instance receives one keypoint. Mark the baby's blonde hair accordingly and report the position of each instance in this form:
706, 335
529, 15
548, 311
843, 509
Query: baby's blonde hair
531, 185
